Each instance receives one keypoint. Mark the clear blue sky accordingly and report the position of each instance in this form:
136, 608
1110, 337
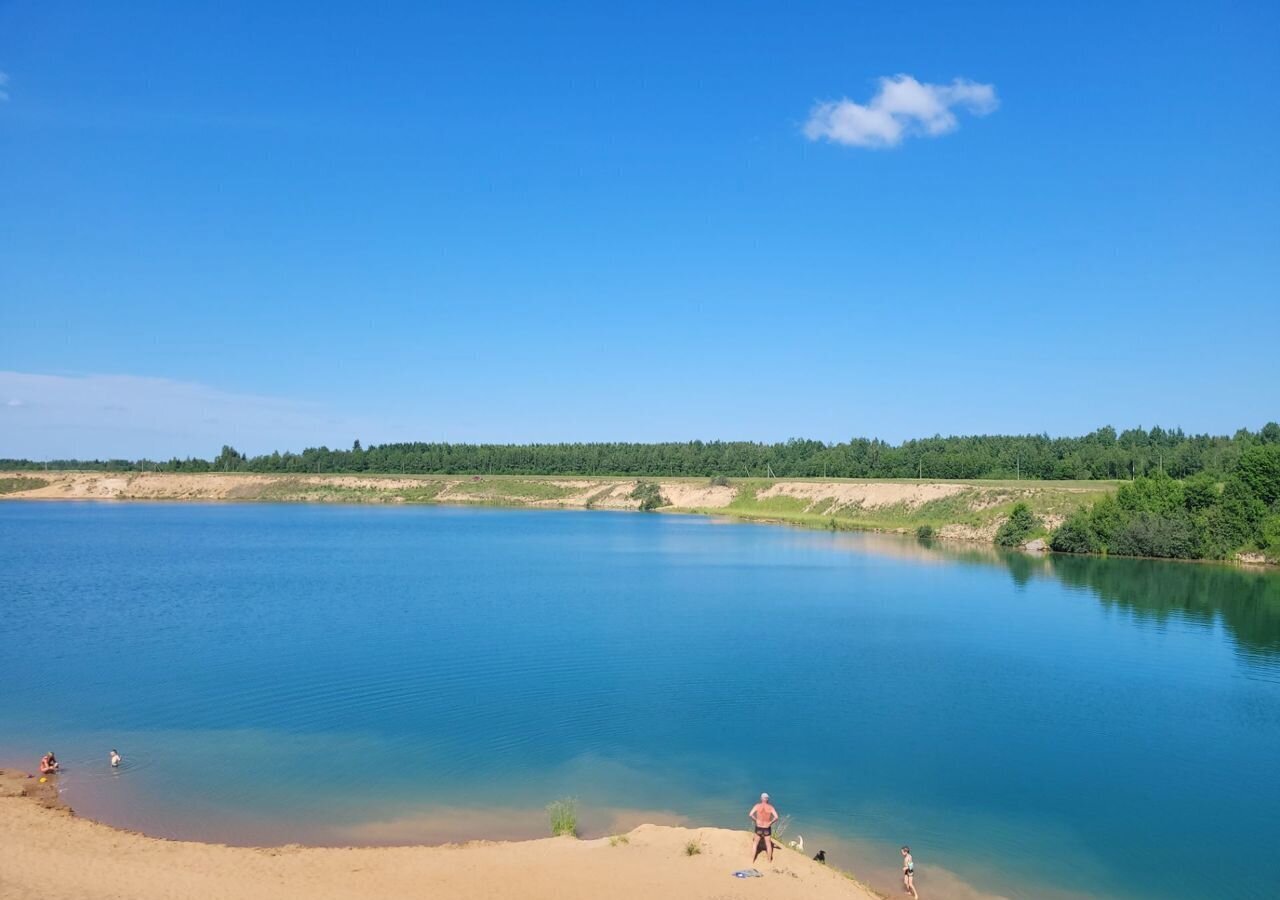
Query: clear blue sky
286, 224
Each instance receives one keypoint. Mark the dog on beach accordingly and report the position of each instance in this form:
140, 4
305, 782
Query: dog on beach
821, 856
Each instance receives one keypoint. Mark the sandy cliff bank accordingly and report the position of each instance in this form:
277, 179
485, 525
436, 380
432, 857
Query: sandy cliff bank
958, 510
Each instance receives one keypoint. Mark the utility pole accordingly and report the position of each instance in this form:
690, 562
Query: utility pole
1019, 465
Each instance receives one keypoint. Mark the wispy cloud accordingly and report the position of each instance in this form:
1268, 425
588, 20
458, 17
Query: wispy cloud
4, 87
98, 416
901, 108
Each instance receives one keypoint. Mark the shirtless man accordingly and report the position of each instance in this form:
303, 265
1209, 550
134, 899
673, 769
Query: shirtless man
762, 816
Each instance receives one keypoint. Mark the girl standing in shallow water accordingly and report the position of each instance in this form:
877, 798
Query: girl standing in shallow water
909, 873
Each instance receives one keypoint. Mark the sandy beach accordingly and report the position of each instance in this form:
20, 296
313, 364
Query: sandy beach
49, 853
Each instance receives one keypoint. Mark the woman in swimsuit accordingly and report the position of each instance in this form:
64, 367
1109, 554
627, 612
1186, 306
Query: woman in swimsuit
48, 764
909, 873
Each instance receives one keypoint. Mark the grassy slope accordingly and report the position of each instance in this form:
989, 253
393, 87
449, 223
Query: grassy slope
16, 483
983, 504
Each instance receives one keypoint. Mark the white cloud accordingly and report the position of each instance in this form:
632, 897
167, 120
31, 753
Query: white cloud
4, 87
128, 416
902, 107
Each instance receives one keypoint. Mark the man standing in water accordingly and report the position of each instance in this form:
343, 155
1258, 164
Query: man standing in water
762, 816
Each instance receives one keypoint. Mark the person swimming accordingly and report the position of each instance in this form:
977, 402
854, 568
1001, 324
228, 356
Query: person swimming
48, 764
115, 759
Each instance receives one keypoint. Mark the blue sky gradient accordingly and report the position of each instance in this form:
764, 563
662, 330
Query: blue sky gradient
282, 225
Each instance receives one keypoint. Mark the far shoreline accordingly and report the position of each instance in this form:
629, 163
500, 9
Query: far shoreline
963, 513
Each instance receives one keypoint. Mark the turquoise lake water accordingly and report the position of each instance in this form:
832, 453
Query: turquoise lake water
1033, 727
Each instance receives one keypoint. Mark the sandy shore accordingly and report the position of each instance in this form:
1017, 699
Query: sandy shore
47, 852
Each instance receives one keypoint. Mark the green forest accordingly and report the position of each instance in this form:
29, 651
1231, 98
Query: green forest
1101, 454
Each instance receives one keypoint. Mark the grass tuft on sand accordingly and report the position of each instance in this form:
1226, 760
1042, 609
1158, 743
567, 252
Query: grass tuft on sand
564, 816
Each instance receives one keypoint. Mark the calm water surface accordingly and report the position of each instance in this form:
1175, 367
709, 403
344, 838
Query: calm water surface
276, 673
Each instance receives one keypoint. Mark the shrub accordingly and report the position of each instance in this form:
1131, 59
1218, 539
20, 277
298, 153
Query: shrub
1150, 534
649, 495
1234, 521
1076, 536
1270, 539
1105, 519
1259, 470
1200, 492
564, 817
692, 848
619, 839
1018, 527
926, 532
1160, 495
719, 481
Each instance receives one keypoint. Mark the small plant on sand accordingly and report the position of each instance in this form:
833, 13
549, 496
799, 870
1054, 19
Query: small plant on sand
719, 480
619, 839
650, 495
693, 848
564, 816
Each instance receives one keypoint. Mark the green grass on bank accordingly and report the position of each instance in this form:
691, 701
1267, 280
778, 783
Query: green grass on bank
981, 504
20, 483
511, 489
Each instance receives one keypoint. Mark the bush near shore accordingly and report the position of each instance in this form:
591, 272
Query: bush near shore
1020, 525
1195, 518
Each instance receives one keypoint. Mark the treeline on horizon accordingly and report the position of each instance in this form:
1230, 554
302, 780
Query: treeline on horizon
1101, 454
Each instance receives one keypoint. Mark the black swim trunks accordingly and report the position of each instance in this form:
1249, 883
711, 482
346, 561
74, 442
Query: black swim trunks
764, 832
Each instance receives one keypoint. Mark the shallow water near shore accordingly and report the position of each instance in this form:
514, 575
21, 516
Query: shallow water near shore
398, 675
